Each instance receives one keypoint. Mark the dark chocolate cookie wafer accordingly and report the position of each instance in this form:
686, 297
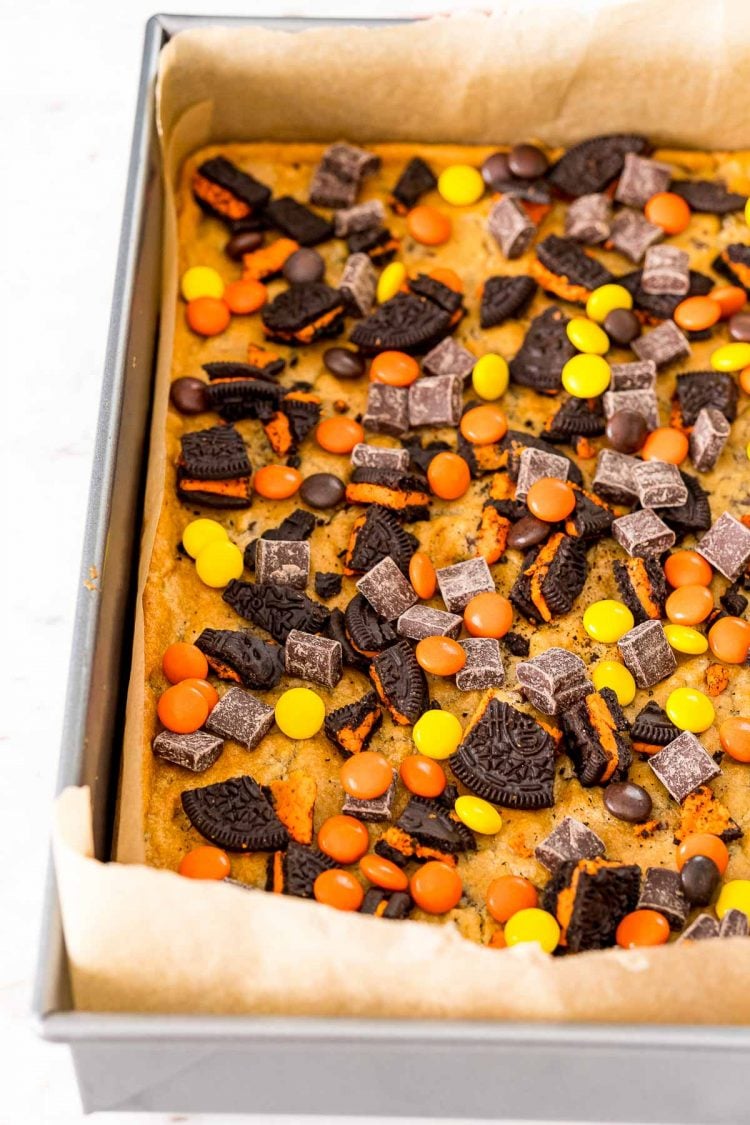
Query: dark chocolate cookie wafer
298, 222
304, 313
277, 609
400, 683
405, 323
507, 758
235, 654
708, 195
593, 164
504, 297
235, 815
545, 351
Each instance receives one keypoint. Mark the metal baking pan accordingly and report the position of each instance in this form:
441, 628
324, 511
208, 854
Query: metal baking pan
274, 1065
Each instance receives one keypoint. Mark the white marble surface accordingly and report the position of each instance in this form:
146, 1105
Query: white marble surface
69, 73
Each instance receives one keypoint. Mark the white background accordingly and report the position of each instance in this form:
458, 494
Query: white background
68, 76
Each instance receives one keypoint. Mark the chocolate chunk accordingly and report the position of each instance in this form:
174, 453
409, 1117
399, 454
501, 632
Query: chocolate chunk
708, 438
351, 727
379, 457
595, 745
322, 490
196, 751
662, 890
710, 196
577, 417
368, 633
644, 403
387, 409
277, 609
405, 323
386, 589
638, 376
735, 923
504, 297
570, 841
554, 680
703, 928
433, 824
375, 535
405, 494
449, 358
294, 528
647, 653
642, 587
400, 683
622, 326
632, 234
568, 271
627, 429
422, 621
235, 654
507, 758
373, 809
240, 716
692, 516
640, 179
659, 484
593, 164
294, 871
235, 815
223, 190
627, 801
363, 216
544, 352
304, 265
535, 465
189, 396
726, 545
527, 532
244, 242
699, 879
698, 389
660, 306
344, 363
435, 401
328, 584
683, 765
666, 269
415, 181
337, 178
643, 533
304, 313
602, 894
282, 563
589, 218
298, 222
510, 226
313, 658
652, 728
358, 284
663, 345
484, 665
460, 582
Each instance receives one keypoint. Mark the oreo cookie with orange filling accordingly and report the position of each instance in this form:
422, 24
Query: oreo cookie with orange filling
543, 354
415, 181
591, 165
441, 295
351, 727
492, 533
367, 632
563, 268
379, 243
427, 829
406, 323
504, 297
652, 729
294, 871
400, 683
702, 811
591, 519
238, 655
374, 535
594, 739
277, 609
224, 191
734, 262
507, 758
696, 390
660, 306
298, 222
236, 815
288, 426
589, 899
382, 904
293, 800
578, 417
404, 494
237, 390
551, 579
213, 469
304, 313
642, 587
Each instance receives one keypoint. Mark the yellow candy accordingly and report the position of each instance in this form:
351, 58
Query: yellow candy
747, 212
461, 185
731, 357
586, 376
605, 300
219, 562
300, 712
690, 709
747, 450
533, 924
587, 336
607, 621
608, 673
390, 281
199, 534
201, 281
734, 895
490, 376
437, 734
478, 815
684, 639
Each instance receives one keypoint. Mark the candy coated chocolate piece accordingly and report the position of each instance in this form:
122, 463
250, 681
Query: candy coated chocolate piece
322, 490
386, 589
640, 179
282, 563
420, 621
663, 345
626, 430
344, 363
628, 801
646, 651
461, 581
726, 545
196, 751
658, 483
449, 358
614, 479
358, 284
554, 680
589, 218
708, 437
536, 464
570, 841
240, 716
666, 269
511, 227
637, 376
375, 808
435, 401
528, 162
734, 924
643, 533
662, 890
189, 395
739, 327
380, 457
496, 168
484, 665
387, 409
315, 658
683, 765
527, 532
303, 265
702, 928
644, 403
622, 326
632, 234
700, 877
244, 242
363, 216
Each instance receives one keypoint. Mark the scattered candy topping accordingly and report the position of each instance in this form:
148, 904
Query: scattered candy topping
479, 815
734, 734
338, 889
366, 775
383, 873
642, 927
437, 734
205, 862
440, 656
182, 661
611, 674
396, 369
423, 776
218, 563
461, 185
436, 888
532, 925
300, 713
606, 621
429, 226
448, 476
277, 482
182, 708
488, 615
343, 838
490, 377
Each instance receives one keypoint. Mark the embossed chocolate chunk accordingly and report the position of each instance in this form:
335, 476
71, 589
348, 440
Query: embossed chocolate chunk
484, 665
504, 297
277, 609
535, 464
236, 654
659, 484
640, 402
351, 727
708, 438
374, 809
510, 226
435, 401
240, 716
554, 680
387, 410
735, 923
632, 234
461, 581
545, 351
643, 533
400, 683
662, 890
236, 815
362, 216
423, 621
315, 658
449, 358
614, 479
282, 563
386, 589
570, 841
589, 218
638, 376
726, 545
703, 928
666, 269
663, 345
683, 765
358, 284
647, 653
640, 179
594, 163
294, 871
507, 758
196, 751
379, 457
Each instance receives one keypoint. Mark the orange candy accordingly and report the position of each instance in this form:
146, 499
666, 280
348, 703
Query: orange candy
366, 775
423, 776
688, 568
729, 639
550, 499
246, 296
448, 476
484, 425
339, 435
696, 314
668, 211
422, 575
734, 735
488, 615
441, 656
343, 838
642, 927
208, 316
731, 298
745, 380
383, 873
205, 862
277, 482
207, 690
446, 276
182, 661
436, 887
497, 941
508, 894
338, 889
689, 605
428, 225
703, 843
182, 708
665, 444
397, 369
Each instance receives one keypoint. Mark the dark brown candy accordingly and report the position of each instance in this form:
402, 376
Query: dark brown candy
700, 877
739, 327
239, 715
344, 363
627, 801
243, 242
567, 270
593, 164
223, 190
328, 584
598, 750
433, 825
696, 390
710, 196
683, 765
420, 621
235, 654
545, 351
405, 323
294, 871
277, 609
351, 727
415, 181
375, 535
435, 401
577, 417
507, 758
405, 494
708, 438
569, 842
733, 602
528, 532
298, 222
322, 490
304, 313
196, 751
643, 402
484, 665
642, 587
504, 297
703, 928
235, 815
652, 729
400, 683
368, 633
314, 658
694, 515
734, 262
189, 395
626, 431
662, 891
304, 265
527, 161
602, 894
495, 169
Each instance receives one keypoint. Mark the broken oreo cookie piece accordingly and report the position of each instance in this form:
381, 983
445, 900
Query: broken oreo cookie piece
504, 297
235, 654
593, 739
400, 683
351, 727
277, 609
405, 323
235, 815
569, 842
404, 494
298, 222
294, 871
593, 164
642, 587
223, 190
507, 758
304, 313
368, 633
415, 181
652, 729
545, 351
